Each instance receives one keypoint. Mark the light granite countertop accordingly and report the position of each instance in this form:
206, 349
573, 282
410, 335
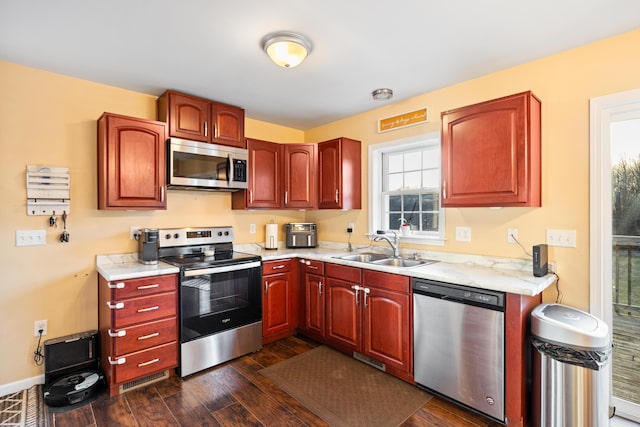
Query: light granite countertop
126, 266
500, 274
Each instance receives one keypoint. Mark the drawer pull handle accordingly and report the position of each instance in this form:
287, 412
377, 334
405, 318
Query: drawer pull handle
155, 285
313, 267
144, 310
118, 361
116, 306
277, 267
150, 362
146, 337
117, 334
119, 285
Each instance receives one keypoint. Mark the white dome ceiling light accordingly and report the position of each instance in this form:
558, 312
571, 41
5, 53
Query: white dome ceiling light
285, 48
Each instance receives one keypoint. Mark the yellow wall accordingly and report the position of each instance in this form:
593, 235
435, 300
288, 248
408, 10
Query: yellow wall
51, 120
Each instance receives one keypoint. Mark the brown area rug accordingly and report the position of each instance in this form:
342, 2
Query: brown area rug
345, 392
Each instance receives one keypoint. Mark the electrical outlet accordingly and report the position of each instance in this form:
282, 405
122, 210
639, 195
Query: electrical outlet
31, 237
512, 235
350, 227
463, 234
551, 266
37, 325
133, 231
252, 228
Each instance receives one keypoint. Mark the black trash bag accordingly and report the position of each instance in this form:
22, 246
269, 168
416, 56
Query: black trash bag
592, 359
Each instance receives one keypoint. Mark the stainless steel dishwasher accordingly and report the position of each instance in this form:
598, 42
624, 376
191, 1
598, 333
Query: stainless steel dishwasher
458, 338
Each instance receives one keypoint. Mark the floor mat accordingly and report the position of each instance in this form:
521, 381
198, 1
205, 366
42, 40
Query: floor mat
345, 392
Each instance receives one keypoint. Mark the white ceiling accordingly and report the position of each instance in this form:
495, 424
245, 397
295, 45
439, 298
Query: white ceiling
211, 48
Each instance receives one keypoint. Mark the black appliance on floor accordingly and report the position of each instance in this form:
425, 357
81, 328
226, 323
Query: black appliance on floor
72, 369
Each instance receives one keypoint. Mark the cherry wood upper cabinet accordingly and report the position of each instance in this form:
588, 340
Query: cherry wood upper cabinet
300, 176
131, 163
265, 171
200, 119
339, 174
491, 153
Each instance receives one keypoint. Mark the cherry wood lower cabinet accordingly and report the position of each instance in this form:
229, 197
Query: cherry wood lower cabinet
369, 312
312, 298
279, 300
138, 328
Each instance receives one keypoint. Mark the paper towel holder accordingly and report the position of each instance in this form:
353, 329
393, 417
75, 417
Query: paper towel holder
271, 236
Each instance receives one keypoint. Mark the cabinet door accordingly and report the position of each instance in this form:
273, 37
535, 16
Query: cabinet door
276, 303
339, 169
386, 329
491, 153
188, 117
314, 287
131, 163
265, 185
228, 125
300, 182
343, 314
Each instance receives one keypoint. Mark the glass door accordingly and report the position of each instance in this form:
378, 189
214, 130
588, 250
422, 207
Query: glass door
615, 239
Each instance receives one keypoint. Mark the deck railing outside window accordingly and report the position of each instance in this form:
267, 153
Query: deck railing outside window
626, 274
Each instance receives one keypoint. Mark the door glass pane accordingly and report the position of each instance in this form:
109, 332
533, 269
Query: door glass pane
625, 182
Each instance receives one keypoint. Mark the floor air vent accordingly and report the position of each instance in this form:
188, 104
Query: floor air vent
369, 361
141, 382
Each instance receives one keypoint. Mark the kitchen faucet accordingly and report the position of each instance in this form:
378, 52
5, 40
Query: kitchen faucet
394, 244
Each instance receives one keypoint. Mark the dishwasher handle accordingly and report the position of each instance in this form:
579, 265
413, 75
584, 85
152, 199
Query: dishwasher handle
485, 298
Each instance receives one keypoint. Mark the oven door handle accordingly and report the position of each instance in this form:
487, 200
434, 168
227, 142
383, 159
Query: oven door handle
222, 269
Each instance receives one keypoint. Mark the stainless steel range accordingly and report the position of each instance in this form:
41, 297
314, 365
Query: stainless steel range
220, 296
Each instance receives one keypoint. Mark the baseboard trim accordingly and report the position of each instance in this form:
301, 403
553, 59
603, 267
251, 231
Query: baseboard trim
20, 385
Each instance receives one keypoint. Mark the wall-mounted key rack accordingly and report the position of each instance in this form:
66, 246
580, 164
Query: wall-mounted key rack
48, 189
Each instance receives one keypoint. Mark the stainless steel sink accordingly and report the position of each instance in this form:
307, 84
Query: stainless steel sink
364, 257
402, 262
381, 259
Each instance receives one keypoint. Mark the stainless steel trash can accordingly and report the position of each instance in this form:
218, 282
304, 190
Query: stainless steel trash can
570, 367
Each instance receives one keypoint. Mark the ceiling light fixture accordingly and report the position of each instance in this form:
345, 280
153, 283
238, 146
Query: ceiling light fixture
285, 48
382, 94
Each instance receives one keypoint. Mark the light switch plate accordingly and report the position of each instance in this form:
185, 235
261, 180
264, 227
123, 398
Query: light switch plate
564, 238
31, 237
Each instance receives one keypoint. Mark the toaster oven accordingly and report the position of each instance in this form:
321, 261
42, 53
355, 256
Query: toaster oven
301, 235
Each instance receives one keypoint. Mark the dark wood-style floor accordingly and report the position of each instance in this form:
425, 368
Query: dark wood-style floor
232, 394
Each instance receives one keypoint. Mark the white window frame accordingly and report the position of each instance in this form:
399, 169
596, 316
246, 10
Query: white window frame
375, 186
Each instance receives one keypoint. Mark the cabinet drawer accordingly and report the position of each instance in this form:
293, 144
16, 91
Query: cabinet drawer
389, 281
142, 363
350, 274
279, 266
145, 309
134, 288
313, 267
140, 337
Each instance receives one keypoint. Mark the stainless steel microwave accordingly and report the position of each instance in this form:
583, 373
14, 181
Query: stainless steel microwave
194, 165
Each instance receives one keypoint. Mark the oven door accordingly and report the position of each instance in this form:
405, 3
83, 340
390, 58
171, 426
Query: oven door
216, 299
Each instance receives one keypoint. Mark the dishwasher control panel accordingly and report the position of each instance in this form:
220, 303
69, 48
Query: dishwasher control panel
465, 294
